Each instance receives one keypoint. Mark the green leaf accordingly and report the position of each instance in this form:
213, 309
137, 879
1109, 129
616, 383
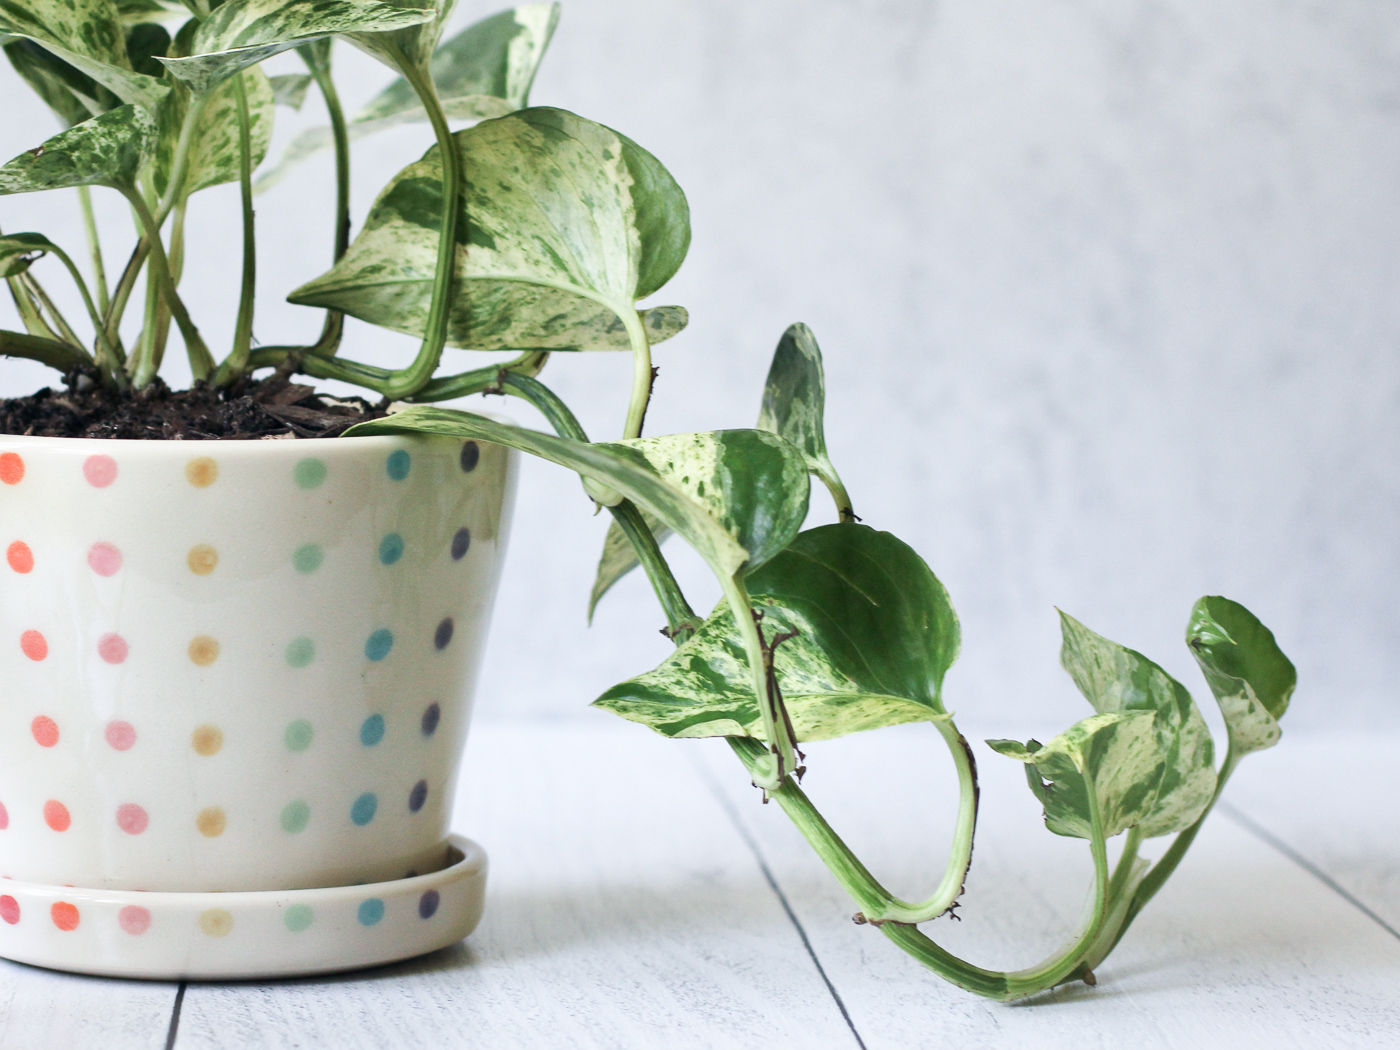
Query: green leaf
290, 89
18, 251
87, 34
876, 634
214, 150
133, 11
1118, 751
107, 150
1117, 679
566, 224
146, 44
484, 71
618, 558
1251, 678
241, 33
794, 397
412, 44
68, 91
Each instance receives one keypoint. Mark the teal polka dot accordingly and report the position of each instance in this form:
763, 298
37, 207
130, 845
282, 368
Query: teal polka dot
307, 558
398, 465
371, 911
295, 816
391, 548
379, 644
362, 812
300, 652
372, 730
298, 917
309, 473
298, 735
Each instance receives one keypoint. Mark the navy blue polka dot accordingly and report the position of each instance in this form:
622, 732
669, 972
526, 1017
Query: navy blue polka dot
443, 634
461, 543
432, 715
418, 796
428, 904
471, 456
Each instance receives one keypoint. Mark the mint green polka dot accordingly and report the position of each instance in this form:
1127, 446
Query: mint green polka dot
298, 917
300, 652
309, 473
307, 558
298, 735
295, 816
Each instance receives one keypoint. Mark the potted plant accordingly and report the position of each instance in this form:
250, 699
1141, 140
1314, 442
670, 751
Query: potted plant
557, 227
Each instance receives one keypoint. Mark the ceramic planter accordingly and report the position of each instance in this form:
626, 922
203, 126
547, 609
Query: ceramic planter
236, 684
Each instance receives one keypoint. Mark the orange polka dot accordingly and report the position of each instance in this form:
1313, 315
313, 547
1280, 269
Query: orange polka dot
34, 645
202, 472
20, 557
56, 815
204, 650
211, 822
202, 559
65, 916
45, 731
216, 922
11, 468
207, 740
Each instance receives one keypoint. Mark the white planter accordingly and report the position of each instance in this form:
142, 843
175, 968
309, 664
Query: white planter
233, 666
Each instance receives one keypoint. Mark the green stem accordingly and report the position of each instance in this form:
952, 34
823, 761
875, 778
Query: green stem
641, 374
107, 361
177, 269
334, 325
479, 380
680, 617
60, 323
126, 283
371, 377
410, 380
66, 359
235, 366
838, 494
99, 271
772, 769
180, 163
28, 309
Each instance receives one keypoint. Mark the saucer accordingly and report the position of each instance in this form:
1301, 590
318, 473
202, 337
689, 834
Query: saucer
240, 935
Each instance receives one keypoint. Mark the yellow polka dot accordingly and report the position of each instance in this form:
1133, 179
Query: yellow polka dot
202, 472
211, 822
204, 650
216, 922
207, 740
202, 559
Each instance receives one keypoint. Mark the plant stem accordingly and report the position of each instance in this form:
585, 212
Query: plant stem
99, 271
410, 380
770, 770
177, 269
60, 356
201, 361
838, 495
681, 620
642, 375
65, 330
28, 310
530, 363
126, 283
235, 366
108, 363
334, 324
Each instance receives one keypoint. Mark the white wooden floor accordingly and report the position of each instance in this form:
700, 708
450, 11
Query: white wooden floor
641, 897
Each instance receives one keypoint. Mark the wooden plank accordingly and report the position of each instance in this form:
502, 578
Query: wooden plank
623, 910
1242, 949
40, 1009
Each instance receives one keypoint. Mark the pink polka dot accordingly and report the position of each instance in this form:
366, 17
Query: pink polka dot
134, 919
132, 819
4, 817
112, 648
9, 909
56, 815
34, 645
121, 735
45, 731
105, 559
100, 471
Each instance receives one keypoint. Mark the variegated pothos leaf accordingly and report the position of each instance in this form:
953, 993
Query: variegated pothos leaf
874, 636
107, 150
68, 91
18, 251
566, 224
289, 89
214, 150
1251, 678
794, 398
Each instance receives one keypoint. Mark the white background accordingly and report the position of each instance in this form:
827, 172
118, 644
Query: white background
1107, 291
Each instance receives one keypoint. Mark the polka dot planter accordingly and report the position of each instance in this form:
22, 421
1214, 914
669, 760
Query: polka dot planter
240, 668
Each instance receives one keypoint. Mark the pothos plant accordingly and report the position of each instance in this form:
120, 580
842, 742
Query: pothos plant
555, 228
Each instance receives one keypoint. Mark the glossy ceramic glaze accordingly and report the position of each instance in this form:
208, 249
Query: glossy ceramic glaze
238, 665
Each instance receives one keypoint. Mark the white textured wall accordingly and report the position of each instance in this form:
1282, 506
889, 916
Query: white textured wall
1107, 289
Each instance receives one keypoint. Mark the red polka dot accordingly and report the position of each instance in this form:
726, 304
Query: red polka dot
20, 557
112, 648
4, 817
9, 909
56, 815
11, 468
121, 735
45, 731
34, 645
105, 559
134, 919
132, 819
65, 916
100, 471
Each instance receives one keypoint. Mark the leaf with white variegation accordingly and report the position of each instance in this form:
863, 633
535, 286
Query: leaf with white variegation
18, 251
875, 635
241, 33
289, 89
213, 156
566, 224
618, 558
484, 71
87, 34
107, 150
1251, 678
412, 45
68, 91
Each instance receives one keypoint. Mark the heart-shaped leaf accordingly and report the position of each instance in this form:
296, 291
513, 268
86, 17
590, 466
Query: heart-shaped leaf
1251, 678
566, 224
87, 34
412, 44
107, 150
18, 251
290, 89
794, 398
1117, 751
241, 33
875, 634
213, 156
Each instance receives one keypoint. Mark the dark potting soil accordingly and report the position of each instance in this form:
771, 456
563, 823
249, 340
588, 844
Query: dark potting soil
266, 408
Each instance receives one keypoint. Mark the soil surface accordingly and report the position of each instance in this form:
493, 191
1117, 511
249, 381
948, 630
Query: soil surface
267, 408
